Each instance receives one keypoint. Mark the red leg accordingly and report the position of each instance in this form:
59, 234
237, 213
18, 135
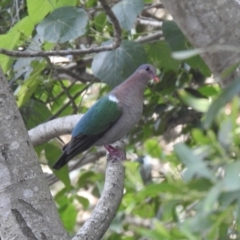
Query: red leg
115, 152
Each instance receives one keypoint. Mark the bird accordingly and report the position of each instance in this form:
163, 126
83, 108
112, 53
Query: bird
111, 117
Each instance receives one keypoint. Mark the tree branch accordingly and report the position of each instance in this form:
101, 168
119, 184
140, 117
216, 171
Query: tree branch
116, 44
51, 129
195, 25
116, 25
149, 38
24, 194
149, 22
106, 208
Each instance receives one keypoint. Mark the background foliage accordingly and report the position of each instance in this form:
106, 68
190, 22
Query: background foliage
189, 129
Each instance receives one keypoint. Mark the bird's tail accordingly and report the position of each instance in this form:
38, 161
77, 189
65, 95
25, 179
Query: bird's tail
62, 161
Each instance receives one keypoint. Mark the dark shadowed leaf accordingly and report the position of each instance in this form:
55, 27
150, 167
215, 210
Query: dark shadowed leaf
127, 11
35, 113
226, 96
178, 42
115, 66
63, 24
174, 36
160, 55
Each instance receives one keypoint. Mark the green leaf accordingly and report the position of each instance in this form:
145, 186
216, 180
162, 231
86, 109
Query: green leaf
69, 216
29, 85
178, 42
37, 10
82, 200
91, 3
161, 229
149, 234
229, 70
199, 104
212, 197
194, 163
37, 113
152, 148
115, 66
133, 174
100, 21
88, 177
153, 190
160, 55
15, 37
8, 41
64, 3
52, 154
174, 36
199, 223
209, 90
127, 11
231, 181
61, 198
226, 96
199, 137
63, 24
24, 26
225, 133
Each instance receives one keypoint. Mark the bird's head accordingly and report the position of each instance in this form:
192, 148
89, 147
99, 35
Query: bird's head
148, 71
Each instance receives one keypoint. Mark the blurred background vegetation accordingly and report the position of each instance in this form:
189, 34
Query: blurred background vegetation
183, 178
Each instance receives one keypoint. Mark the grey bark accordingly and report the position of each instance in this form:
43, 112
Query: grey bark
27, 209
106, 208
207, 23
54, 128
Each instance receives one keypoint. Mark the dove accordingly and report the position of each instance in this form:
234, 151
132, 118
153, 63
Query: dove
111, 117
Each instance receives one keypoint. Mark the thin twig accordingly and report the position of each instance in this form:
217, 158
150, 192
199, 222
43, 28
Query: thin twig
149, 38
53, 99
69, 102
71, 99
149, 22
116, 25
155, 5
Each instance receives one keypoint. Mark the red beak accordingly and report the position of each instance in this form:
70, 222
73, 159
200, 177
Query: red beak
156, 79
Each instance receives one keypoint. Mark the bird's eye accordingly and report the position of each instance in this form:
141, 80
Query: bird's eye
147, 68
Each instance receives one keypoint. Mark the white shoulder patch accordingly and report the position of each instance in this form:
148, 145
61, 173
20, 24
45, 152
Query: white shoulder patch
113, 98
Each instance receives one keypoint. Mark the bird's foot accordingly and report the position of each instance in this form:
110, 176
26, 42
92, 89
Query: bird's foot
115, 153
